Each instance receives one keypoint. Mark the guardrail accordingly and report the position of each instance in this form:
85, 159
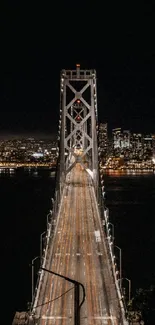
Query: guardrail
47, 249
50, 231
104, 215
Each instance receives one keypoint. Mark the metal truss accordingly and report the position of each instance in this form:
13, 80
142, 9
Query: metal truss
78, 121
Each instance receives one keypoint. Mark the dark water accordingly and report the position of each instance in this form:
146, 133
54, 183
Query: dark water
25, 200
131, 202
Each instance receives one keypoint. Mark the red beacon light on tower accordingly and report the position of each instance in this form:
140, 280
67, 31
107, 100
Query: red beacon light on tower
78, 101
78, 118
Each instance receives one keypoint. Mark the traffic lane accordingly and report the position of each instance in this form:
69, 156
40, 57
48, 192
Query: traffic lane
49, 287
66, 309
91, 263
85, 246
82, 274
49, 284
75, 267
72, 255
65, 261
88, 269
95, 305
110, 296
87, 263
89, 266
57, 246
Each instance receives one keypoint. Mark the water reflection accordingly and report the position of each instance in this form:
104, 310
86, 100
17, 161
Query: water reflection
118, 172
33, 172
7, 171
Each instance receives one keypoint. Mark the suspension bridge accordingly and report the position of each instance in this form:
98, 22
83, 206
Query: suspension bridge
78, 282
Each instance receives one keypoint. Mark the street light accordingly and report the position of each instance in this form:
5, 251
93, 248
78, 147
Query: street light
52, 201
41, 244
49, 214
77, 303
120, 264
32, 264
129, 282
106, 214
111, 224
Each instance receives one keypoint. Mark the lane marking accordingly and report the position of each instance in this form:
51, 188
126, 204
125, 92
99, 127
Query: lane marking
54, 317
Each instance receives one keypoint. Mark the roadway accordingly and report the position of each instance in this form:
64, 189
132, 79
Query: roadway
76, 253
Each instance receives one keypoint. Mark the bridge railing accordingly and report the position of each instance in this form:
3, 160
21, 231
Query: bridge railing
104, 215
47, 252
49, 237
51, 225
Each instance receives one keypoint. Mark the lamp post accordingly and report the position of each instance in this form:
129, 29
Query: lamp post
129, 283
32, 264
52, 201
41, 244
106, 214
53, 205
120, 265
48, 215
77, 304
111, 224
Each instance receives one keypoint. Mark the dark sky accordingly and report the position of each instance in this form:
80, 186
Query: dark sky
40, 40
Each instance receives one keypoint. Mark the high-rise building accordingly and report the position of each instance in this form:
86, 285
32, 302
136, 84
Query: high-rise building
121, 142
137, 145
103, 139
147, 146
153, 147
116, 134
117, 140
147, 142
126, 139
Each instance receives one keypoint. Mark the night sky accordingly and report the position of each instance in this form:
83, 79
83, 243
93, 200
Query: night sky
40, 40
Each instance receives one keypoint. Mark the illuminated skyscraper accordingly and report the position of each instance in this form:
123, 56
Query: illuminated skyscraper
116, 133
153, 147
147, 147
137, 145
121, 142
126, 139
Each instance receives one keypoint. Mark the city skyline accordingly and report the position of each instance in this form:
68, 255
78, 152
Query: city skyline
122, 143
4, 135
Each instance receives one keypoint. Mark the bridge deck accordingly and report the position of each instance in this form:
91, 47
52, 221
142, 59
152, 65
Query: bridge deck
76, 253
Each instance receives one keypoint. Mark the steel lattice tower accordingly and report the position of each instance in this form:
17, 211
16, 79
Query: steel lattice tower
78, 122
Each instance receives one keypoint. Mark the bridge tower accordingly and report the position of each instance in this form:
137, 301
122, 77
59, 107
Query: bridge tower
78, 122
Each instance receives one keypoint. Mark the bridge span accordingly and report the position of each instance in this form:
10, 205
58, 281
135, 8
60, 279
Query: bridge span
78, 251
77, 248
